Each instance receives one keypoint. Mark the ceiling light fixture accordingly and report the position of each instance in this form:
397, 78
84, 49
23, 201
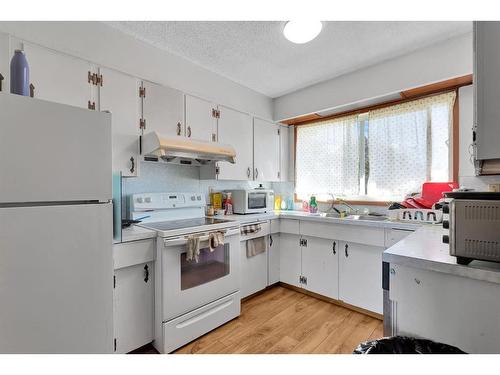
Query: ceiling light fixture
301, 32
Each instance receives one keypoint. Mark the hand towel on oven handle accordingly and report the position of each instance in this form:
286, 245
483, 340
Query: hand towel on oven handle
252, 228
193, 248
215, 239
256, 246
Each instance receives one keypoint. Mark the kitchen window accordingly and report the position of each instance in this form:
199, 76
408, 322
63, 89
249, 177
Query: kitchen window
380, 155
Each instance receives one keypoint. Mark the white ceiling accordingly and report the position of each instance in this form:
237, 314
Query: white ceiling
257, 55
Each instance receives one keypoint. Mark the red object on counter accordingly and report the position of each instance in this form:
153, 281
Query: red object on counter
432, 192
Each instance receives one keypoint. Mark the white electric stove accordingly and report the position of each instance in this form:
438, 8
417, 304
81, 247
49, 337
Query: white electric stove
191, 298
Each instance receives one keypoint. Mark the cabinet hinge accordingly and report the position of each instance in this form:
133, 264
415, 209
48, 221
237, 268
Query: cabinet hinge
91, 105
302, 280
142, 92
303, 242
218, 113
114, 281
214, 137
142, 124
279, 174
114, 344
213, 113
217, 170
94, 78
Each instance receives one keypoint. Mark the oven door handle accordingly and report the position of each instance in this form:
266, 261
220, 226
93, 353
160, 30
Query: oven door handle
182, 240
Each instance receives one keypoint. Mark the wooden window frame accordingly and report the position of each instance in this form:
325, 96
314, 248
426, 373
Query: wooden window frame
406, 96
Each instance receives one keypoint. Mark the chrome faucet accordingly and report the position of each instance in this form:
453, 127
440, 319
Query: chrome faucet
343, 202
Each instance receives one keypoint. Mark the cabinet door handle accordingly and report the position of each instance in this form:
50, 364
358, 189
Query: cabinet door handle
270, 240
1, 81
346, 252
333, 247
256, 173
132, 164
32, 90
189, 131
146, 273
248, 172
178, 128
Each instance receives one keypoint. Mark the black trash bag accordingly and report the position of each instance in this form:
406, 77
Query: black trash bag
405, 345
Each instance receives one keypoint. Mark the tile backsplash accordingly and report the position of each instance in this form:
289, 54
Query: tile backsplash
157, 177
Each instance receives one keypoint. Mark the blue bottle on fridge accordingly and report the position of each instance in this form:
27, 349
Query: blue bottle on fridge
19, 74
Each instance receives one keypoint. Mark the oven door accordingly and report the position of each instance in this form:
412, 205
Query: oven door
187, 285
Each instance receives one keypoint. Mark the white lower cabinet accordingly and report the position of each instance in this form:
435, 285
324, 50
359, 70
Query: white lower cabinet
320, 266
360, 275
133, 295
290, 259
273, 258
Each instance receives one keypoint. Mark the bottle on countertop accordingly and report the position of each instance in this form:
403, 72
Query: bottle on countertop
228, 205
313, 205
277, 202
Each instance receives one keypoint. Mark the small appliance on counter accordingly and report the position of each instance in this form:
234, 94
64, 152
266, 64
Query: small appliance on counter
250, 201
473, 225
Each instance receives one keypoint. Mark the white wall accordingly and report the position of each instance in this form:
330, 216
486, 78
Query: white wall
103, 45
441, 61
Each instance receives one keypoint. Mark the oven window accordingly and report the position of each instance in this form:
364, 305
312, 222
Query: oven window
210, 266
257, 200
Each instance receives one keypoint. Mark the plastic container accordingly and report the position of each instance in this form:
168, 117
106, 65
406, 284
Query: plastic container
277, 202
228, 205
313, 205
19, 74
432, 192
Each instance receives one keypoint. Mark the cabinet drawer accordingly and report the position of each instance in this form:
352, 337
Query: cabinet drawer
343, 232
290, 226
131, 253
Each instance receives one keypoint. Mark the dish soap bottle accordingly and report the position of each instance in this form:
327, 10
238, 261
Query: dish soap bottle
313, 205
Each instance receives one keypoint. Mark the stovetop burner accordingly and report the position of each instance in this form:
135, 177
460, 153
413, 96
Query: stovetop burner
185, 223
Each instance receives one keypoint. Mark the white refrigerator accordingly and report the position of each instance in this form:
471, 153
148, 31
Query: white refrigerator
56, 265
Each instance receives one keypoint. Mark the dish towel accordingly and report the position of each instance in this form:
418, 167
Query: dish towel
215, 239
193, 248
252, 228
256, 246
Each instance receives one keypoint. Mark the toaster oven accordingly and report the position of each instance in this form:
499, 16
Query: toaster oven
473, 225
250, 201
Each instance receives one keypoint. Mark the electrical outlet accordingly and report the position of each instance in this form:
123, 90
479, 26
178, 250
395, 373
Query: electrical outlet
494, 187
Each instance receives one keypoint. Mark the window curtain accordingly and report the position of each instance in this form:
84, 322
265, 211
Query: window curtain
327, 158
408, 144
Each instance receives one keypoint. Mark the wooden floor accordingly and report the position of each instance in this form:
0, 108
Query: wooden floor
281, 320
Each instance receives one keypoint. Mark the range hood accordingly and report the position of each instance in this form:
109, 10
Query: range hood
185, 150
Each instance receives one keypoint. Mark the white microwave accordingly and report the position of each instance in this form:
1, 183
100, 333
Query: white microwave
252, 201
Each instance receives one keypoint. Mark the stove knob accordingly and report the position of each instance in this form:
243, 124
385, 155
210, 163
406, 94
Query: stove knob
199, 197
446, 224
446, 239
193, 198
139, 200
147, 199
446, 208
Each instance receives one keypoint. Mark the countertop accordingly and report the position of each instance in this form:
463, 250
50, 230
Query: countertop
135, 233
300, 215
424, 249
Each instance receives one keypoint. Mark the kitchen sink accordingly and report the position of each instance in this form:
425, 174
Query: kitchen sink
366, 217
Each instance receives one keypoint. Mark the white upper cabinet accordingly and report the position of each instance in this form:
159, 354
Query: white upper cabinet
60, 78
286, 156
487, 89
266, 150
4, 62
163, 110
119, 95
235, 129
201, 123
